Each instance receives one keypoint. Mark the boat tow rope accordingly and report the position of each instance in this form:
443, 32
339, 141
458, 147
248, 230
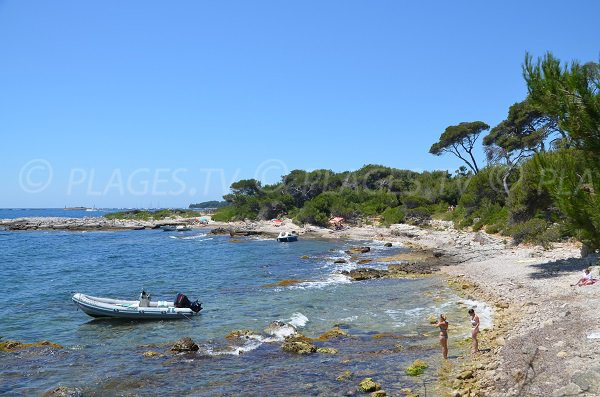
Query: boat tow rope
186, 316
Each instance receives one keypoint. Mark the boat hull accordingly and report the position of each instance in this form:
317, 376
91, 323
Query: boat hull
113, 308
287, 239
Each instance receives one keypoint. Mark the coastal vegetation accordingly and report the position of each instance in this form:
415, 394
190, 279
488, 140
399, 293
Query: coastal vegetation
147, 215
539, 183
208, 204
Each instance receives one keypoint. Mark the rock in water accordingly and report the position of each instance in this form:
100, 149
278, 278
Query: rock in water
62, 391
327, 350
299, 344
358, 250
387, 245
280, 329
335, 332
367, 385
185, 344
365, 273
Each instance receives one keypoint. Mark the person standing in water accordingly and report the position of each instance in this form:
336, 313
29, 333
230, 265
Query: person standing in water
443, 325
474, 330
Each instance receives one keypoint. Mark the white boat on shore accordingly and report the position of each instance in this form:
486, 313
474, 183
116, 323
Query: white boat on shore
176, 228
142, 309
287, 237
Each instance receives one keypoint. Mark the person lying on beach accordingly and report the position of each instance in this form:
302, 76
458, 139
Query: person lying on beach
587, 278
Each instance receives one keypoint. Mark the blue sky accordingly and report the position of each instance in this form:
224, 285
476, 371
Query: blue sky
146, 104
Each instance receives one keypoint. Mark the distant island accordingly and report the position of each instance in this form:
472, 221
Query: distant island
209, 204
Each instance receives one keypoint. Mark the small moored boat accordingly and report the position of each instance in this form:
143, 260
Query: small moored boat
142, 309
287, 237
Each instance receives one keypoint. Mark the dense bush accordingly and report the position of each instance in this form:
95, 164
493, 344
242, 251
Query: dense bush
529, 196
535, 231
392, 215
152, 215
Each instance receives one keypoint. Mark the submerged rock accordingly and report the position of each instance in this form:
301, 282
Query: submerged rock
13, 345
283, 283
327, 350
358, 250
335, 332
365, 273
379, 393
368, 385
339, 261
185, 344
240, 333
417, 368
344, 376
152, 354
62, 391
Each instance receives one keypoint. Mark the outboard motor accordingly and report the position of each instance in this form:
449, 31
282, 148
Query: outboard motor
182, 301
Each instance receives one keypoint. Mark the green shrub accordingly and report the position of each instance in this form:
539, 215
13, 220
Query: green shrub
145, 215
532, 231
233, 213
418, 215
392, 215
224, 214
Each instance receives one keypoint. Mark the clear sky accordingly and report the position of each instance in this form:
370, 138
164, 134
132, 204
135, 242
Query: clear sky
152, 103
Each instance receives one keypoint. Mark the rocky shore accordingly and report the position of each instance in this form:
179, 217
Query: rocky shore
545, 339
86, 224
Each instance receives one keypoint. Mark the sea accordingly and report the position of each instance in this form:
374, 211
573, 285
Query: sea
387, 320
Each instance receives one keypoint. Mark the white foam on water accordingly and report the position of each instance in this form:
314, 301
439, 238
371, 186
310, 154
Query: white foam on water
252, 343
397, 316
594, 335
334, 278
482, 310
298, 320
193, 237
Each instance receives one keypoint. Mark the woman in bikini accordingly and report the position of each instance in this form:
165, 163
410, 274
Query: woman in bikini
474, 330
443, 325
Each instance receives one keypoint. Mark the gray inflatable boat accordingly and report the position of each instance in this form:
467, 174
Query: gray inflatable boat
142, 309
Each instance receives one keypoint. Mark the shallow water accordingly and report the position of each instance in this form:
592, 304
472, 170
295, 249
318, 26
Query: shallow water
105, 357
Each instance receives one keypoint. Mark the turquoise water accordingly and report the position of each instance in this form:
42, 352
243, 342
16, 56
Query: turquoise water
41, 270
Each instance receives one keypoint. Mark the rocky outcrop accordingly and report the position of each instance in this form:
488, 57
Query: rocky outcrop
12, 345
365, 273
86, 224
368, 385
335, 332
399, 269
358, 250
240, 232
185, 344
299, 344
